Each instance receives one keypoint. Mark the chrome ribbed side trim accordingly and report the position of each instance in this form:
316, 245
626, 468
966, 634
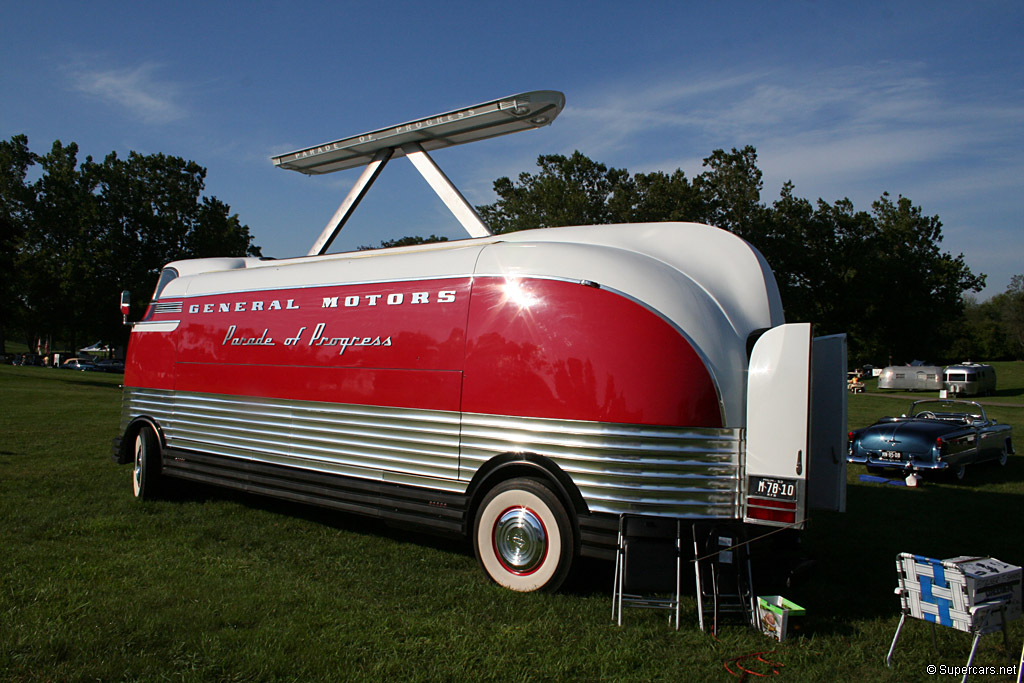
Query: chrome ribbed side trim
667, 471
400, 445
167, 307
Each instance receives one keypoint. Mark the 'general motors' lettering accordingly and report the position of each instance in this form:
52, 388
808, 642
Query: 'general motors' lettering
445, 296
242, 306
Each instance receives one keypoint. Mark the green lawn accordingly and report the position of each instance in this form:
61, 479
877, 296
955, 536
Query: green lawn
221, 586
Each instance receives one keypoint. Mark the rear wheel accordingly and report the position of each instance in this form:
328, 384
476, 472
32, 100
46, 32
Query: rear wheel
522, 536
146, 470
1004, 455
960, 471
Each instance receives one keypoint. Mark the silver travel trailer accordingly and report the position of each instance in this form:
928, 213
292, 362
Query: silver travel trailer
911, 378
969, 379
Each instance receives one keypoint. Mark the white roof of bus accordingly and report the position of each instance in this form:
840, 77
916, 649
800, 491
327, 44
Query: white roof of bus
715, 287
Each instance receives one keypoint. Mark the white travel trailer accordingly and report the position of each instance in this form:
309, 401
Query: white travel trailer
523, 390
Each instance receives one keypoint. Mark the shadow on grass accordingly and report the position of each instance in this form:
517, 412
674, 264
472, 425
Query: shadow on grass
852, 555
189, 491
588, 577
856, 552
1014, 393
90, 383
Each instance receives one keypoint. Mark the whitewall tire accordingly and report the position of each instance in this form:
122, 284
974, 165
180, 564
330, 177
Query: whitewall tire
146, 467
522, 536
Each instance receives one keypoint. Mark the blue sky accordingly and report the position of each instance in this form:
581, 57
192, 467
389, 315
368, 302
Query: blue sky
923, 99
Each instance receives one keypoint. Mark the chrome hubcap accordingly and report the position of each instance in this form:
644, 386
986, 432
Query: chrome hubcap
520, 540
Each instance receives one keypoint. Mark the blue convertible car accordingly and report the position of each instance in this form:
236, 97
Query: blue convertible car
935, 435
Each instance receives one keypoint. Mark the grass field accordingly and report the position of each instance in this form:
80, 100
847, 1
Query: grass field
220, 586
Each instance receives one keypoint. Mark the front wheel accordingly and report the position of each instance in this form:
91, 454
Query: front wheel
522, 536
146, 468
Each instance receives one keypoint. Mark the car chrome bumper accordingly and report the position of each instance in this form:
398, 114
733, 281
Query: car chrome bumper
913, 465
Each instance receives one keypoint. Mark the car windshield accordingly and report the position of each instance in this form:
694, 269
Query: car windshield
966, 411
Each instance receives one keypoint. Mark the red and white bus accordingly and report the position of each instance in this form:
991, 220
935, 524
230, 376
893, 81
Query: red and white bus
523, 390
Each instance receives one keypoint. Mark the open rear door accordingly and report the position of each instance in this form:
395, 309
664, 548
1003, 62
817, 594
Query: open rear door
778, 410
827, 478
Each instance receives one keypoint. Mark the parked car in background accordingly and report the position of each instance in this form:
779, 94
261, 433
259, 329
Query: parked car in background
936, 435
110, 365
78, 364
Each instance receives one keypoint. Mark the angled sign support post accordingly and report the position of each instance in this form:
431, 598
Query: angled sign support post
449, 194
351, 201
415, 139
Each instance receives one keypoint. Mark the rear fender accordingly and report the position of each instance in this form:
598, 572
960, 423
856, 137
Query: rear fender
510, 465
123, 445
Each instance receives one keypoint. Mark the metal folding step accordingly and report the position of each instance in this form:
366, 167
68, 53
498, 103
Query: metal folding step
725, 593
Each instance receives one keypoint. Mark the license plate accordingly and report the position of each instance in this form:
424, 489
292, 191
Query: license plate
773, 487
892, 456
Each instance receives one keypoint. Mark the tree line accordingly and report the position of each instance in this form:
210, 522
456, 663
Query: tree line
74, 234
880, 276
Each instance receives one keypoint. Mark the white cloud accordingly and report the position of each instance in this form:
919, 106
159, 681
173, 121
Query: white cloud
137, 90
890, 112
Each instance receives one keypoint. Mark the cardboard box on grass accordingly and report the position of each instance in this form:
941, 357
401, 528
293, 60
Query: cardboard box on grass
774, 614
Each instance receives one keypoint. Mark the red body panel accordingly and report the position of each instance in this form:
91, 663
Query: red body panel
395, 344
150, 360
534, 348
549, 348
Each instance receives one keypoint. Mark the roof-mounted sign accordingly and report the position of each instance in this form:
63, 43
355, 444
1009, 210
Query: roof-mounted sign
512, 114
373, 150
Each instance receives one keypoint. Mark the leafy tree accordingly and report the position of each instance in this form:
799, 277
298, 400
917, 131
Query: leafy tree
920, 319
93, 229
818, 255
659, 196
1010, 307
567, 191
404, 242
836, 267
55, 265
575, 190
731, 189
993, 329
1013, 315
153, 213
982, 335
16, 205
